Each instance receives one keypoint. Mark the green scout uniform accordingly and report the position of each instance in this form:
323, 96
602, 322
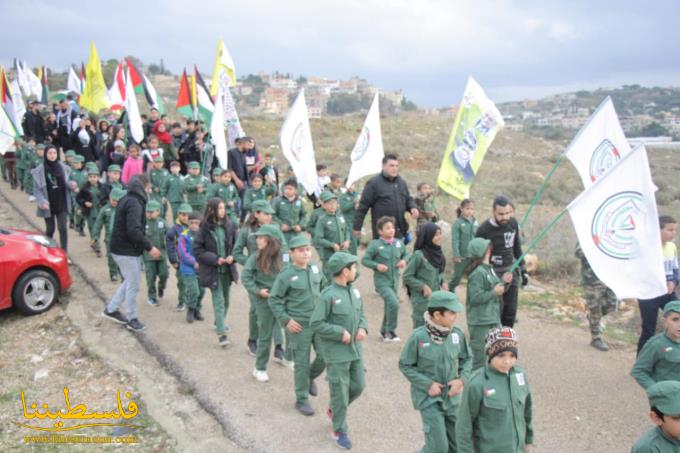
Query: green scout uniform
158, 178
197, 200
156, 269
90, 214
659, 360
600, 300
228, 194
426, 360
22, 163
386, 284
291, 213
32, 161
79, 177
462, 232
252, 195
173, 192
254, 280
220, 295
483, 309
329, 230
418, 273
341, 309
347, 206
106, 218
426, 206
293, 296
665, 397
495, 412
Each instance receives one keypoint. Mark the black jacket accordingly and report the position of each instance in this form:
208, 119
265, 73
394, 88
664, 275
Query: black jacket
34, 126
506, 245
205, 252
89, 151
385, 197
127, 237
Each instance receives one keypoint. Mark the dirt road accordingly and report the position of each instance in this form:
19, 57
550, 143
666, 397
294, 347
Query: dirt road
584, 400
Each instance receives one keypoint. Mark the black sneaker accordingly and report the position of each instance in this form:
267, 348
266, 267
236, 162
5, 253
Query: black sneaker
197, 315
304, 408
388, 337
180, 306
600, 344
81, 232
190, 315
279, 354
115, 316
161, 291
135, 325
395, 337
313, 389
252, 347
223, 340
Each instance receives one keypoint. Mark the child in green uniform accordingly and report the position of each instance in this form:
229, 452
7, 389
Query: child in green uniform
22, 158
69, 155
462, 232
289, 210
340, 322
76, 180
112, 182
88, 200
195, 186
256, 192
188, 265
105, 219
425, 203
348, 204
293, 297
483, 309
261, 214
495, 414
158, 176
156, 268
171, 242
387, 257
424, 272
172, 188
437, 361
223, 189
33, 159
332, 232
258, 277
659, 359
664, 401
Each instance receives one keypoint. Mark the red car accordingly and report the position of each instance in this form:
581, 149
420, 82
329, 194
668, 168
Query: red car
33, 271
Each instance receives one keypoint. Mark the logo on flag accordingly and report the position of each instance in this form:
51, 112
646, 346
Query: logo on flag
614, 224
297, 143
362, 144
604, 157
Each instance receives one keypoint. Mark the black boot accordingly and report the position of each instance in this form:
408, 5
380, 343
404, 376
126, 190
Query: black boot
190, 315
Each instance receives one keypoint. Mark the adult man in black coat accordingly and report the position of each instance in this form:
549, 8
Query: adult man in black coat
128, 242
34, 123
386, 195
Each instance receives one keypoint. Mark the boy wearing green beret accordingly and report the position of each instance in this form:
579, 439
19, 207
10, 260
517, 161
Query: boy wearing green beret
172, 189
664, 401
33, 159
339, 320
659, 359
223, 189
437, 362
75, 181
158, 176
256, 191
69, 155
106, 218
293, 297
387, 257
348, 206
195, 186
22, 157
289, 210
112, 182
156, 268
495, 414
171, 247
332, 232
88, 200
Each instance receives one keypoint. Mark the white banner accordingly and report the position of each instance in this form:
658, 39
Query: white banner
217, 131
368, 150
296, 144
73, 81
134, 119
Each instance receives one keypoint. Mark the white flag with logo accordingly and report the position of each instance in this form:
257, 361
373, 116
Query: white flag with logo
296, 144
7, 132
599, 145
219, 141
368, 150
132, 109
617, 225
73, 81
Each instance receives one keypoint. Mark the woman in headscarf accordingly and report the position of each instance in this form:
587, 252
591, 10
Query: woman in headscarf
50, 189
425, 270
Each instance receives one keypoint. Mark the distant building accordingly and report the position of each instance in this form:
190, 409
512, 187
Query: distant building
274, 100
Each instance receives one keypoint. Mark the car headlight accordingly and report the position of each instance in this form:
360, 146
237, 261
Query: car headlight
42, 240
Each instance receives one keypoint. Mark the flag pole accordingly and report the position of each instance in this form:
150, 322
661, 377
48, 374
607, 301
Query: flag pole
538, 237
541, 189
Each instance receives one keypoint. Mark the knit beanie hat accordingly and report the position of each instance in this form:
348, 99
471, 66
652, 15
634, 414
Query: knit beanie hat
500, 339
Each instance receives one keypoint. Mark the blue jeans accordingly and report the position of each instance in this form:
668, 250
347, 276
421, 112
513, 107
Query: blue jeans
131, 271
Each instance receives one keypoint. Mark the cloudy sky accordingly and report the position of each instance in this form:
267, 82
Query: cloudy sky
515, 48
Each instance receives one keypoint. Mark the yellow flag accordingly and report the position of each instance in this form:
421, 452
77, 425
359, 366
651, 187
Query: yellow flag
94, 95
224, 69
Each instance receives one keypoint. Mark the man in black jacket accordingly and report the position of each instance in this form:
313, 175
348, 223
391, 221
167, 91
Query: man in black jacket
34, 123
127, 245
502, 230
386, 195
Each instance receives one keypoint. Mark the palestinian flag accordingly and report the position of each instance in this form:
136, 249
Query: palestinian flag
45, 92
184, 104
8, 102
136, 78
116, 94
152, 96
204, 103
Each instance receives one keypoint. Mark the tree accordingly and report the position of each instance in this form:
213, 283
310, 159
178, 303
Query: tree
653, 130
407, 105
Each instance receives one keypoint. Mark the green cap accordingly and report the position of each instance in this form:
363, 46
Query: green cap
158, 159
193, 164
298, 241
113, 167
92, 170
70, 153
446, 300
340, 260
184, 208
153, 205
665, 396
672, 306
40, 146
261, 206
477, 247
217, 172
78, 159
326, 196
117, 194
270, 230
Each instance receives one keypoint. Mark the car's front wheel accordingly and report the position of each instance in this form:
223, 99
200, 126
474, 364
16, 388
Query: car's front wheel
35, 292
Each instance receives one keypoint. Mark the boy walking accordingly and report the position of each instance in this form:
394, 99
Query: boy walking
156, 268
664, 401
289, 210
188, 266
331, 233
172, 189
105, 219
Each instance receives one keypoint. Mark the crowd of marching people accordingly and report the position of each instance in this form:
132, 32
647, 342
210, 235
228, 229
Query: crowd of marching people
166, 204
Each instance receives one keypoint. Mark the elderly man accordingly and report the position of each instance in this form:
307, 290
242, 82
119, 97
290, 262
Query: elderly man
386, 195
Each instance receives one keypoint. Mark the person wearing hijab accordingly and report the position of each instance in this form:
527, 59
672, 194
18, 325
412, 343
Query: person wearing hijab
51, 193
424, 272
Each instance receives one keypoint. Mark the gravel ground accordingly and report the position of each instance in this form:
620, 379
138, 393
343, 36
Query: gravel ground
584, 400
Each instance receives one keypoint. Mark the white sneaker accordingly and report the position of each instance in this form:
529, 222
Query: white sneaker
260, 376
31, 198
